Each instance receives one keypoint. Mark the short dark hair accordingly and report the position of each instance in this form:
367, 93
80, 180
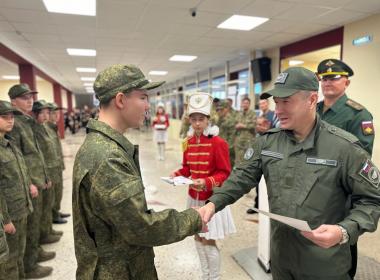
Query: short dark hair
246, 98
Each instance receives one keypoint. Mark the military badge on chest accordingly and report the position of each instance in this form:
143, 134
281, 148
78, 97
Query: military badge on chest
367, 128
248, 154
370, 173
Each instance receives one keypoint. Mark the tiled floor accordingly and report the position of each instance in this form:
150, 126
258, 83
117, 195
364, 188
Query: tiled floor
179, 260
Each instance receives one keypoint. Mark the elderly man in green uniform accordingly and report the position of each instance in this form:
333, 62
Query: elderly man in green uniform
41, 112
337, 109
52, 129
245, 129
226, 123
24, 138
310, 175
14, 189
114, 231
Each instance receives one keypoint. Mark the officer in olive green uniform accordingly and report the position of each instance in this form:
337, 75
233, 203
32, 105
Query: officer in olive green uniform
47, 145
24, 139
14, 188
226, 123
245, 130
337, 109
114, 231
52, 129
308, 178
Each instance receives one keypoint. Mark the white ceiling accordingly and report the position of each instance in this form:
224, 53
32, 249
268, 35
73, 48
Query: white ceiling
148, 32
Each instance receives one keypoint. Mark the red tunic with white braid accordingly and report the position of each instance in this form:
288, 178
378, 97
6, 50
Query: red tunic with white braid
206, 158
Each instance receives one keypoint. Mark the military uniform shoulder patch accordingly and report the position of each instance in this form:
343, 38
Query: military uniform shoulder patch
370, 173
367, 128
355, 105
249, 154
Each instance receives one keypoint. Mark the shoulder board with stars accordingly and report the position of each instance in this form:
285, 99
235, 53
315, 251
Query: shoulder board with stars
354, 104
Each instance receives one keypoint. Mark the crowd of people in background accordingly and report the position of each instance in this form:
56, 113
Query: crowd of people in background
78, 118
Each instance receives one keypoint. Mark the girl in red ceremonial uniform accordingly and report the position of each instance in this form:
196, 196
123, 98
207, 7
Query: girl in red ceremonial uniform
160, 133
206, 161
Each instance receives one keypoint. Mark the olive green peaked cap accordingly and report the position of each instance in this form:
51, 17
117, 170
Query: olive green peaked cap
292, 80
121, 78
6, 107
19, 90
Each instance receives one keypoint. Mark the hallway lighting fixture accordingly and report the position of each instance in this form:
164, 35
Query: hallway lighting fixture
81, 52
73, 7
86, 70
11, 77
158, 73
88, 79
245, 23
183, 58
295, 62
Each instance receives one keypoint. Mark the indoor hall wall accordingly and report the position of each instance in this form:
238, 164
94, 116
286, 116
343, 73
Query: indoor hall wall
64, 98
364, 60
4, 88
45, 90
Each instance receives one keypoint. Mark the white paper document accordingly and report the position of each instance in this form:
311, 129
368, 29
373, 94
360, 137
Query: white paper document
298, 224
177, 181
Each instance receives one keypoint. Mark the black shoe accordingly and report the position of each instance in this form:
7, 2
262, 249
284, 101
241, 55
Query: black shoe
251, 211
64, 215
59, 221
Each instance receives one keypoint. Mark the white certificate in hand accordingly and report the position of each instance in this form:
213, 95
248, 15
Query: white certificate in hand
177, 181
295, 223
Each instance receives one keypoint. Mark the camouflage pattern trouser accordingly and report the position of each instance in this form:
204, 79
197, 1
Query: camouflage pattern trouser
14, 267
33, 234
47, 216
58, 191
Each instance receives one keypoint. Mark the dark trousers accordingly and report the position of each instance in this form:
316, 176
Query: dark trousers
354, 260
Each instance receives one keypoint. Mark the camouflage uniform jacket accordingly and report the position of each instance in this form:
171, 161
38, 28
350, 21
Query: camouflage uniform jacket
185, 125
14, 182
23, 137
227, 128
114, 231
52, 130
246, 134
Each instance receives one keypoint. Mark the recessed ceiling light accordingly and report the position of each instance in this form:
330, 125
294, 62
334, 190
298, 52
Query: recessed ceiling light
81, 52
88, 84
88, 79
11, 77
158, 73
183, 58
74, 7
86, 70
295, 62
246, 23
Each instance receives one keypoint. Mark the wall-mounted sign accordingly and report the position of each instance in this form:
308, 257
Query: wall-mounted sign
362, 40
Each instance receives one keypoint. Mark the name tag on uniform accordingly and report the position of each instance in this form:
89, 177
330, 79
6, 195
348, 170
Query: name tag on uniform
320, 161
272, 154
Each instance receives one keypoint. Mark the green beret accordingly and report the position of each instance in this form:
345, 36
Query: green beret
334, 67
6, 107
19, 90
121, 78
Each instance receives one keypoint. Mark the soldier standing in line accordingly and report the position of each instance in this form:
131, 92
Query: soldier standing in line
337, 109
310, 176
226, 123
52, 129
14, 191
114, 231
245, 129
24, 139
41, 110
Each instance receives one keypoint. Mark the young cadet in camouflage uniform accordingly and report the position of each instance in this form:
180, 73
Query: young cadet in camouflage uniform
24, 139
226, 123
337, 109
245, 129
310, 175
14, 189
114, 231
52, 129
41, 111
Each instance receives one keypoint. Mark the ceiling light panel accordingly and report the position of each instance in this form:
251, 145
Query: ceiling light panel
81, 52
73, 7
183, 58
245, 23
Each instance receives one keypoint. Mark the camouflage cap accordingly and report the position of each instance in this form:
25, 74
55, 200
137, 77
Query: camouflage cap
54, 106
334, 67
19, 90
6, 107
121, 78
292, 80
223, 104
38, 105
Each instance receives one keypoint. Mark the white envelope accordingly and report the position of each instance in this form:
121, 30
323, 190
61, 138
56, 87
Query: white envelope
177, 181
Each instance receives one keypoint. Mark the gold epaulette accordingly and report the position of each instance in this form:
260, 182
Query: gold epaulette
185, 144
355, 105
